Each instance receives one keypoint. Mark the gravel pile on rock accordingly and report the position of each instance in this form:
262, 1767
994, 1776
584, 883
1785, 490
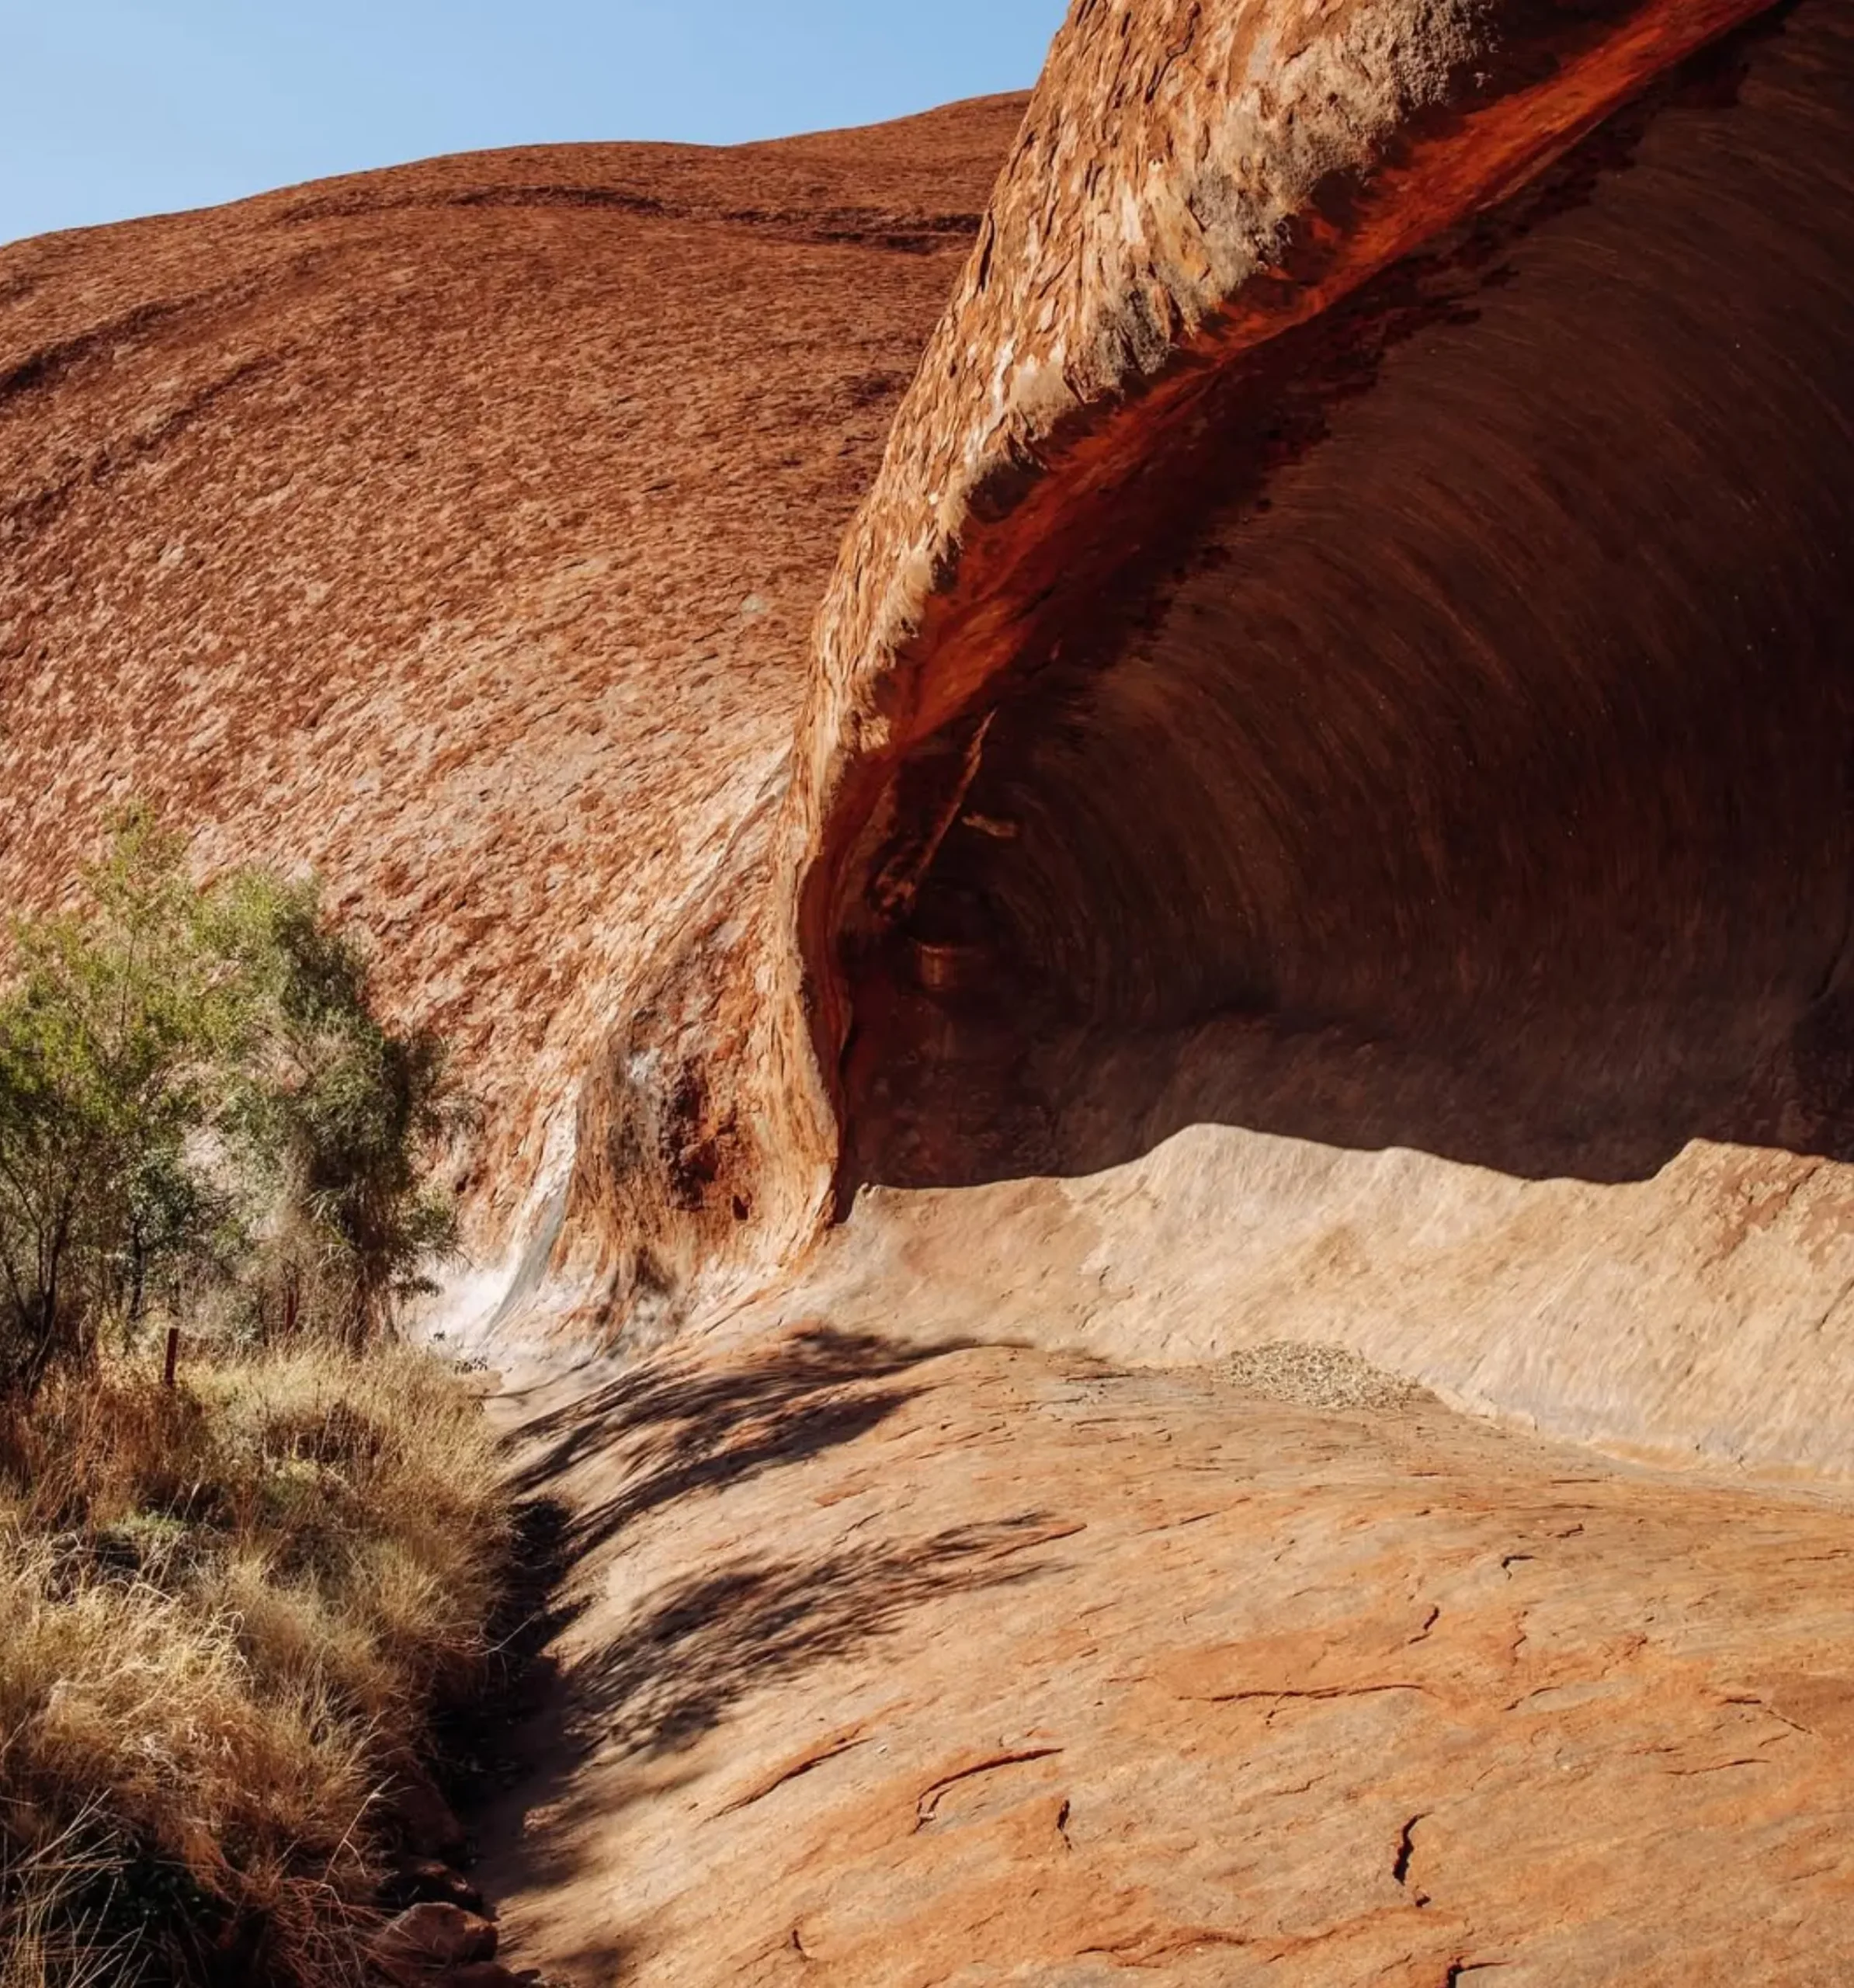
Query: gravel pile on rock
1317, 1376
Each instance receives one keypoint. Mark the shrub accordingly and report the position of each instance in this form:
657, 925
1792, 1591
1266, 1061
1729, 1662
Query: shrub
107, 1037
196, 1096
340, 1115
229, 1610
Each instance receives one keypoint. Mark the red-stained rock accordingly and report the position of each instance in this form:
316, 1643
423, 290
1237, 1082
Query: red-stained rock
1314, 809
414, 1880
458, 529
421, 1818
1331, 727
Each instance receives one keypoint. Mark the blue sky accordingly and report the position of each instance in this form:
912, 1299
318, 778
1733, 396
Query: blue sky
110, 108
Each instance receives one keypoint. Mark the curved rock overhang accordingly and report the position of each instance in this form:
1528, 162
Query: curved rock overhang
1351, 636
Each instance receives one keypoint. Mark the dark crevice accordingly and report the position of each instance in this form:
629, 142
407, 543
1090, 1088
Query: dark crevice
906, 231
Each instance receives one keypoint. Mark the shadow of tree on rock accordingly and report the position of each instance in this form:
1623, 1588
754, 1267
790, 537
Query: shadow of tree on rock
681, 1662
649, 1686
671, 1429
674, 1671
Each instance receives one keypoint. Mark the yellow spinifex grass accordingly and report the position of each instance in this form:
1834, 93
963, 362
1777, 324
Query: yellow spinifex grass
226, 1613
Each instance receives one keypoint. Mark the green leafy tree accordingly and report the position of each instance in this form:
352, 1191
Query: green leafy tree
344, 1116
111, 1036
195, 1091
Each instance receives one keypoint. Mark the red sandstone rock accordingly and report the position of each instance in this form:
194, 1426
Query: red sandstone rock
426, 1880
1344, 650
991, 1666
1320, 810
425, 1939
458, 529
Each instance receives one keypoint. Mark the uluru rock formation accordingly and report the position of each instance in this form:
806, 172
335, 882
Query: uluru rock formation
1347, 666
457, 529
1312, 810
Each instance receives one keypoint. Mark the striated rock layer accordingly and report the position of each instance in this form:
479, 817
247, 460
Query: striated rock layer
457, 529
1346, 666
901, 1669
1316, 809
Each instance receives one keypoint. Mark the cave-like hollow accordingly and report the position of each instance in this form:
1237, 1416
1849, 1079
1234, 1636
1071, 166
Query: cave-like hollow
1458, 753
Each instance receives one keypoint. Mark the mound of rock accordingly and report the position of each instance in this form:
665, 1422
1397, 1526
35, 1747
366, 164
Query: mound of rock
458, 529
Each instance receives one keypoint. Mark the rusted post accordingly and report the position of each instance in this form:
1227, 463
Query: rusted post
167, 1375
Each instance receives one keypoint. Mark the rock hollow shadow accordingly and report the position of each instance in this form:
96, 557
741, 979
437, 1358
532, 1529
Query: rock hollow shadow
1452, 746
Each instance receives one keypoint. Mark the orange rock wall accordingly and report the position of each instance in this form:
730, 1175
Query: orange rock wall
458, 529
1336, 710
1299, 617
1195, 193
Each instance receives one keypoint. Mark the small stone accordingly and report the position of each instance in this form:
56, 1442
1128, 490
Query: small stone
433, 1935
427, 1825
427, 1880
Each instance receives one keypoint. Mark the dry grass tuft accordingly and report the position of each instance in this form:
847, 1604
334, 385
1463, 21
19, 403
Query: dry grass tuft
225, 1613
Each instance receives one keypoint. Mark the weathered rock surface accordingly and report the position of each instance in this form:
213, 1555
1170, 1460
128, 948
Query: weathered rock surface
422, 1946
1320, 816
437, 1933
458, 529
987, 1666
1329, 745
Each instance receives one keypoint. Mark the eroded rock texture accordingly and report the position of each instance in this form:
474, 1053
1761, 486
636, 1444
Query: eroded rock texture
901, 1669
1320, 812
1347, 653
1461, 762
458, 529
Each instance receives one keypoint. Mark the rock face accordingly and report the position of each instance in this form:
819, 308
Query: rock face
1299, 881
985, 1666
458, 529
1330, 738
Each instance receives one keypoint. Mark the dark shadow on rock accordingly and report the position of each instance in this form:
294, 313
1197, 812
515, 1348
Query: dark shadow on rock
696, 1649
1449, 745
474, 1743
702, 1645
670, 1427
